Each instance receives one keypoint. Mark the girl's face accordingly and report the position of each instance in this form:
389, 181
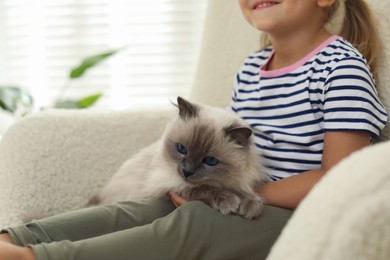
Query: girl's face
285, 16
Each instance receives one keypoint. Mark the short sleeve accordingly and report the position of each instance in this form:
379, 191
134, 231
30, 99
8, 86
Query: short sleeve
351, 100
233, 100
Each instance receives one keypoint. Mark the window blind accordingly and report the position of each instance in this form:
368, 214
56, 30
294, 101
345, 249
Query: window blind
40, 41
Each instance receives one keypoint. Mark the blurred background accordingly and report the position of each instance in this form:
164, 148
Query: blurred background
135, 53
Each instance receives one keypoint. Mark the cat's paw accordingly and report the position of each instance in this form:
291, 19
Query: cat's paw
251, 206
248, 206
226, 202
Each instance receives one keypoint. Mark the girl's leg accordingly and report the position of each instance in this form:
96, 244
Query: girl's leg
90, 222
193, 231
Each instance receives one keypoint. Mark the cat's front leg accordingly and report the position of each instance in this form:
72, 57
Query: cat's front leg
251, 205
247, 205
223, 200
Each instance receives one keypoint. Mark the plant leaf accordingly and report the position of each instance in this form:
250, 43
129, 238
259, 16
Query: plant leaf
88, 101
78, 104
90, 62
13, 98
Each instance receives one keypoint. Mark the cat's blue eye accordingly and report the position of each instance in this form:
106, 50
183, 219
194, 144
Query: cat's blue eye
181, 148
211, 161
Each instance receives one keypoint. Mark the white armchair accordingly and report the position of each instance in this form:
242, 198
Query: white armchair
53, 161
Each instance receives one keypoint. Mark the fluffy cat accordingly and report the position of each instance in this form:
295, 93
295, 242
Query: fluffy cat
204, 154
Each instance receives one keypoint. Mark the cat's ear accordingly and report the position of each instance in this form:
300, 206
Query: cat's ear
239, 134
187, 110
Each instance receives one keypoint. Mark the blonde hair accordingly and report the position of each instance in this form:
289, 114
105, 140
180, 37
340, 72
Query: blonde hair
358, 27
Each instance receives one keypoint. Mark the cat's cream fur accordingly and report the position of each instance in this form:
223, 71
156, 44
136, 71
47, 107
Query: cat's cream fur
228, 186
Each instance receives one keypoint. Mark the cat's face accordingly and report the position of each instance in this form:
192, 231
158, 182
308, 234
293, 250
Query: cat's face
208, 145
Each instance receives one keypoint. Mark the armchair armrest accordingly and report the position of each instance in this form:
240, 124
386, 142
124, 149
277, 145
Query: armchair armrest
346, 215
55, 160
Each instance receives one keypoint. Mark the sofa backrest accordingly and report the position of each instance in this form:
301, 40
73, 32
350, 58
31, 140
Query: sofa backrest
381, 10
228, 39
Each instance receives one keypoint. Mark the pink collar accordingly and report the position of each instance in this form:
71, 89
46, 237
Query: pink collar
285, 70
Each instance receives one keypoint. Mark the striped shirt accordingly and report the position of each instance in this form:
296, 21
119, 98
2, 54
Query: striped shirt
290, 109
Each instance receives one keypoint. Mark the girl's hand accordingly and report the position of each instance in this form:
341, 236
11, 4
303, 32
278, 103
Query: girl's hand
176, 199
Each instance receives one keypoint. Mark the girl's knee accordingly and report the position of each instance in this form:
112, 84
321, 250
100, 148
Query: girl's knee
196, 216
197, 210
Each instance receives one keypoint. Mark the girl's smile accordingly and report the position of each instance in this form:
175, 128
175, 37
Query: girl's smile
281, 18
260, 5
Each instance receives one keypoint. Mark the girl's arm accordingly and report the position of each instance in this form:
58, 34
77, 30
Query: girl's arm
289, 192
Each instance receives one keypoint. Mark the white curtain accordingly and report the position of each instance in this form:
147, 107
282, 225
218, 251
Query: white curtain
41, 40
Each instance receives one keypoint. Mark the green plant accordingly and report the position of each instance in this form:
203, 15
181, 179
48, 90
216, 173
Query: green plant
78, 72
14, 98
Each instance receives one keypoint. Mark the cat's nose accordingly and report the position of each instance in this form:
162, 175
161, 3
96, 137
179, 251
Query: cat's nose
187, 173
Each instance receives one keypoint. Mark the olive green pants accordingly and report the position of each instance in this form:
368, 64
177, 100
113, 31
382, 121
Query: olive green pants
151, 229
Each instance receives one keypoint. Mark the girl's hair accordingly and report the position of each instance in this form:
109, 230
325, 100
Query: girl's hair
359, 28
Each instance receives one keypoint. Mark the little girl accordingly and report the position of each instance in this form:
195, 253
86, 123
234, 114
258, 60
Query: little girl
311, 99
